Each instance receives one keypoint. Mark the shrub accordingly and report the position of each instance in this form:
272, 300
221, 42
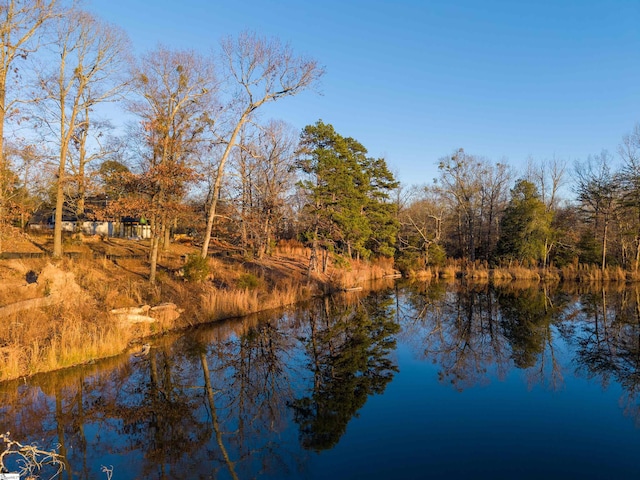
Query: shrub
409, 261
196, 269
248, 281
437, 255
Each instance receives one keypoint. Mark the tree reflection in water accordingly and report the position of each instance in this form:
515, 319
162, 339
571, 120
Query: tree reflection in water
468, 329
216, 401
258, 396
348, 350
609, 344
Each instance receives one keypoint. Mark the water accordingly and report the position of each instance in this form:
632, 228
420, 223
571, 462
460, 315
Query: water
421, 381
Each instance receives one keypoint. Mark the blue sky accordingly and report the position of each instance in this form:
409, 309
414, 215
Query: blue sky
414, 80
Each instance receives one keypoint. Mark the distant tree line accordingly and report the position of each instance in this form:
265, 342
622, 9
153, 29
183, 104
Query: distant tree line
196, 158
480, 211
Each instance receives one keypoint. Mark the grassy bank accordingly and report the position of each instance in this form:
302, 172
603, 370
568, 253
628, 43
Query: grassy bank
480, 271
66, 317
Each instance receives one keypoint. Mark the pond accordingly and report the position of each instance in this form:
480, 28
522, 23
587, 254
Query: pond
409, 381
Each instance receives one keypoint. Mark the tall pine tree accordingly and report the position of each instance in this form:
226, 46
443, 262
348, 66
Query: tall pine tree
348, 206
525, 226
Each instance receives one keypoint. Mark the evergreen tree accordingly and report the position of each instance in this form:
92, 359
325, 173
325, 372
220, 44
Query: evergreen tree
348, 195
525, 226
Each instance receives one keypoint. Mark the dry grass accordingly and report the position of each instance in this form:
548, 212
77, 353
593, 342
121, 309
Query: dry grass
220, 304
448, 271
423, 274
516, 272
592, 273
78, 327
291, 248
478, 273
56, 337
354, 273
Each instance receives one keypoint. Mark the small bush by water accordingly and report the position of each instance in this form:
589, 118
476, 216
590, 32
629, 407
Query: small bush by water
196, 268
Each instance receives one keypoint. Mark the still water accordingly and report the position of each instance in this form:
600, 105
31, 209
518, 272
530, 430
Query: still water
415, 381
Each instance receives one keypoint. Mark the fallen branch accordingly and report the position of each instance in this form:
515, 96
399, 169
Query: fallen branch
31, 459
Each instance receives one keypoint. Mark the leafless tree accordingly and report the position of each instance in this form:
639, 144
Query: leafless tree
598, 191
258, 71
421, 221
549, 176
176, 90
629, 151
91, 56
263, 179
462, 176
493, 200
21, 23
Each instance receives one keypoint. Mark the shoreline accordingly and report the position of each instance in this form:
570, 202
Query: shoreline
66, 318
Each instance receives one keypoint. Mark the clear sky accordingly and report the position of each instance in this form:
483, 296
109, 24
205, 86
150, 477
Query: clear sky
414, 80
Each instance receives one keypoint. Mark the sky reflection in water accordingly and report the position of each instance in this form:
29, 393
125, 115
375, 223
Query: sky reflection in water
424, 381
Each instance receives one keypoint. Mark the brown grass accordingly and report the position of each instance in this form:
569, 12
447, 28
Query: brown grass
220, 304
593, 273
516, 272
58, 336
423, 274
291, 248
354, 273
80, 329
448, 271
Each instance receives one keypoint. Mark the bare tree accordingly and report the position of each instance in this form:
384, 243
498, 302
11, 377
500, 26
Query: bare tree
176, 89
598, 189
91, 143
260, 71
549, 176
264, 176
30, 179
462, 176
421, 222
629, 150
21, 21
493, 200
92, 55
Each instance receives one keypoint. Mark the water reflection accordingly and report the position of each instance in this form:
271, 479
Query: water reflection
348, 353
266, 395
608, 348
470, 328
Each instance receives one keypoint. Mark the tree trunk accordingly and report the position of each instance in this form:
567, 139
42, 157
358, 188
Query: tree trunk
267, 235
472, 244
3, 163
313, 258
218, 182
2, 156
82, 159
153, 253
57, 226
214, 416
166, 237
325, 261
604, 244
